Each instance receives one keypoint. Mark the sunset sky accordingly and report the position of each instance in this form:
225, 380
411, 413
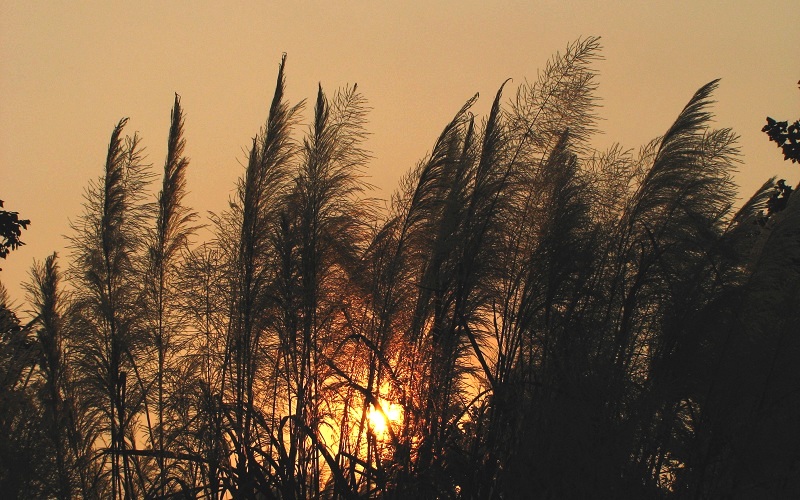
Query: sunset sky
70, 70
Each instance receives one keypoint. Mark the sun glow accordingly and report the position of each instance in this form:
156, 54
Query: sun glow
379, 421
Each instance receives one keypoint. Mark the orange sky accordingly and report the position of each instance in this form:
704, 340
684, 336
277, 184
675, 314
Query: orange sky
70, 70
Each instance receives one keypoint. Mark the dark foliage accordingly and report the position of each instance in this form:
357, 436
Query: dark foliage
11, 227
786, 136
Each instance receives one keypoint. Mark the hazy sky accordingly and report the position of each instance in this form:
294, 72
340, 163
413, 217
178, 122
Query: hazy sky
70, 70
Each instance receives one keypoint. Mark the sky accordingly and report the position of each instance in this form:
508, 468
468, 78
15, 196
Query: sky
70, 70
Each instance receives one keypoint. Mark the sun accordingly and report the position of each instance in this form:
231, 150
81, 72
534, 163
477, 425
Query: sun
392, 415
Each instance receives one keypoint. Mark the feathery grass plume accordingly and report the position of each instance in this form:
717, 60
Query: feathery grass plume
418, 209
419, 202
460, 350
106, 244
256, 211
473, 175
733, 255
677, 196
541, 341
489, 202
430, 208
561, 98
321, 238
46, 297
665, 270
561, 259
164, 243
429, 236
420, 194
691, 171
68, 422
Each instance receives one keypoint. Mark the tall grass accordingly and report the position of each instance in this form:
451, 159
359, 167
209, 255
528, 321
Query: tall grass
528, 318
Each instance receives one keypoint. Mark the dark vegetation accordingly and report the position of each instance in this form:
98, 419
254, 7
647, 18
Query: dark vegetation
786, 136
548, 321
11, 227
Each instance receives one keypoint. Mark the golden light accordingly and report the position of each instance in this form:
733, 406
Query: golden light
392, 415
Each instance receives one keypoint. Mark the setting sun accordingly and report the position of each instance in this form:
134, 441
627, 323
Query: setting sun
393, 413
